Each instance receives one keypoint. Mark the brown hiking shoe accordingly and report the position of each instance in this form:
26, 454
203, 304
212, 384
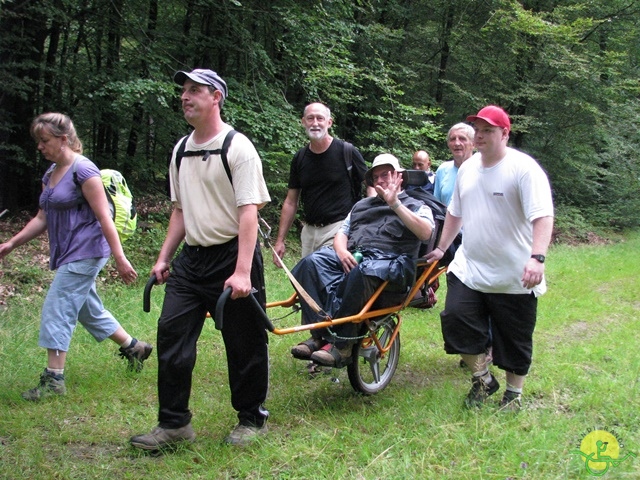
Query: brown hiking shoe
160, 438
244, 434
50, 384
136, 354
330, 356
304, 350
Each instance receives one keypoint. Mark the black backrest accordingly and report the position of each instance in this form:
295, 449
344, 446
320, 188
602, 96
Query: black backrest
438, 209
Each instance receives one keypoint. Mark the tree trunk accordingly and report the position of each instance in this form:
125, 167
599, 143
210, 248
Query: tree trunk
19, 173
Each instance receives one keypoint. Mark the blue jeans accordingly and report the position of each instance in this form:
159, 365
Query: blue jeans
338, 293
72, 298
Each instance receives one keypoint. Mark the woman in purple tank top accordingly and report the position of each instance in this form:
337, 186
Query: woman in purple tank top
82, 236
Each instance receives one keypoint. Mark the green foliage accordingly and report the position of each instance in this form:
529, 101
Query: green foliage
401, 138
268, 121
570, 225
315, 48
619, 160
154, 94
395, 74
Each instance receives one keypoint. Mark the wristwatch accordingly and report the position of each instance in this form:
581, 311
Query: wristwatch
538, 257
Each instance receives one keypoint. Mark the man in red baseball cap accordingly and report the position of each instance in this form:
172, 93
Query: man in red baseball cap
493, 115
503, 198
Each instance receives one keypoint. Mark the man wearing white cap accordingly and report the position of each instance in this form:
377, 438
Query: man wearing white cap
215, 215
503, 198
379, 240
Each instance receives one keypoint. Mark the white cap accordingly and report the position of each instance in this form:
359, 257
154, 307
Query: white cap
382, 159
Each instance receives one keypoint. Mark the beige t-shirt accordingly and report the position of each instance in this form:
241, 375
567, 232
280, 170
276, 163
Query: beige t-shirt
208, 200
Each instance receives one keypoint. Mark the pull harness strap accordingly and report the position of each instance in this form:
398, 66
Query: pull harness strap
296, 285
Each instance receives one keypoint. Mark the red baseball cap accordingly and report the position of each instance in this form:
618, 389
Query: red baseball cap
493, 115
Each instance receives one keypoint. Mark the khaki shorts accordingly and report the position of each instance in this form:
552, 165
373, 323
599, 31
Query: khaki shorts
312, 237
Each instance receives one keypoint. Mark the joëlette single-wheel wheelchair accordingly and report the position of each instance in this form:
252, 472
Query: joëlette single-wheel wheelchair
376, 351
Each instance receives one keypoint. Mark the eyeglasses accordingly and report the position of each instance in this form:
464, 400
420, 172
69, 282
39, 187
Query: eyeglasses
381, 176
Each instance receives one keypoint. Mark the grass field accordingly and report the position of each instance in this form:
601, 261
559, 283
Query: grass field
585, 378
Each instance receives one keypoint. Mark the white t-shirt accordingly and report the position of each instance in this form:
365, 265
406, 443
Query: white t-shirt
208, 200
497, 206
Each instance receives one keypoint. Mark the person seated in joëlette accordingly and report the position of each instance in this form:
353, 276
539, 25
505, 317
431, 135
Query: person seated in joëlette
379, 240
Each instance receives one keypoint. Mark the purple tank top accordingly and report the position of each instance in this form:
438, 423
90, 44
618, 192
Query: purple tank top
74, 230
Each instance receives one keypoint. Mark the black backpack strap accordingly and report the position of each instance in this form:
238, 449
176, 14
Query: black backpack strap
348, 156
223, 153
79, 197
356, 190
205, 154
181, 151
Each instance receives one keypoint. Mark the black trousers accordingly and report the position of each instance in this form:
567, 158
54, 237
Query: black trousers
193, 288
471, 320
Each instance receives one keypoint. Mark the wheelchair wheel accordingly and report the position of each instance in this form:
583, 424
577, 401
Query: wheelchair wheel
370, 372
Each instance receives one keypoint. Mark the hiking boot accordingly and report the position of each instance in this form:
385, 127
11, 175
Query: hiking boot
50, 384
244, 434
511, 401
330, 356
136, 354
480, 391
160, 438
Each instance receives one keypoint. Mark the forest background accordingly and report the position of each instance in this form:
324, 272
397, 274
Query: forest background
396, 74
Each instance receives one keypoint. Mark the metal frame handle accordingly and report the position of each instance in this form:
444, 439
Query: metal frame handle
218, 314
146, 297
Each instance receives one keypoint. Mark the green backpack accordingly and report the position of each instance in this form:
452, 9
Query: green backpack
123, 209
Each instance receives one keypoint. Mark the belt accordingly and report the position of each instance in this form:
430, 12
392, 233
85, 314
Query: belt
320, 225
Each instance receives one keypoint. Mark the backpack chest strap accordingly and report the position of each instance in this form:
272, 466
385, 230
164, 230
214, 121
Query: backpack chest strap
205, 154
